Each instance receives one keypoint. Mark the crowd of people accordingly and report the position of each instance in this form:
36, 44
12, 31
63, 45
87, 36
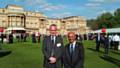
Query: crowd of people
19, 37
9, 38
36, 37
108, 41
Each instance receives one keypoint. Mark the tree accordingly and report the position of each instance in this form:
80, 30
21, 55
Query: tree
117, 18
92, 24
105, 20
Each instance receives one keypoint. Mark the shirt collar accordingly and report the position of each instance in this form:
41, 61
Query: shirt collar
53, 37
74, 43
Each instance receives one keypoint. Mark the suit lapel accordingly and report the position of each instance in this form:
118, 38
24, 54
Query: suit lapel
50, 39
56, 40
75, 51
68, 52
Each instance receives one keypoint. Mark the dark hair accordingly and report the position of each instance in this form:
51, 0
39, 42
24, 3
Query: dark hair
53, 25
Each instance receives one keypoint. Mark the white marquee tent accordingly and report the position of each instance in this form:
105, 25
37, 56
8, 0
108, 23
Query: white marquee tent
10, 29
15, 28
112, 30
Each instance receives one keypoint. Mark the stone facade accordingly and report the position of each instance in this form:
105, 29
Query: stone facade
16, 16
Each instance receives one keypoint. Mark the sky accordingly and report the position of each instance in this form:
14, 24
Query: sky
89, 9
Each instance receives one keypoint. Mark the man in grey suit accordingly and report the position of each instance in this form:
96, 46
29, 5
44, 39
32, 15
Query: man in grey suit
53, 49
73, 53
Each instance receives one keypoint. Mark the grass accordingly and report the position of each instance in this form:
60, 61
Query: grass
29, 55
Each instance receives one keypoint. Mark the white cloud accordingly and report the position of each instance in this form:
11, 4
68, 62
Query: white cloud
92, 4
43, 4
20, 0
104, 1
49, 7
97, 1
102, 11
112, 1
61, 15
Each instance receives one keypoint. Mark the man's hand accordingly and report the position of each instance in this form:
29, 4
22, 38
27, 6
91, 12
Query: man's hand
52, 60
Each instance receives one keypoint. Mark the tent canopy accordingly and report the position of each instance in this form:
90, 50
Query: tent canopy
112, 30
15, 28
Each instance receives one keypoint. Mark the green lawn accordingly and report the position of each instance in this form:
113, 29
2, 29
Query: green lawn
29, 55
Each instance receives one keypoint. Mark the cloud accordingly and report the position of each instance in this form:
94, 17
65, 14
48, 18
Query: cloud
20, 0
50, 7
61, 15
104, 1
92, 4
1, 2
101, 12
43, 4
97, 1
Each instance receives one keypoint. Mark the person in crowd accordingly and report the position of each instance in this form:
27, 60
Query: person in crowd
24, 37
33, 38
11, 38
38, 37
18, 37
105, 40
110, 37
116, 40
2, 37
85, 36
97, 37
79, 37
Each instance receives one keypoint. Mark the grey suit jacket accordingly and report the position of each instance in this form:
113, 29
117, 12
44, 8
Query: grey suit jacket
77, 60
55, 50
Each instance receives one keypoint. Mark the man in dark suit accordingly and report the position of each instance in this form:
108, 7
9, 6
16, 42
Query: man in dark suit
105, 39
2, 38
73, 53
53, 49
11, 38
98, 41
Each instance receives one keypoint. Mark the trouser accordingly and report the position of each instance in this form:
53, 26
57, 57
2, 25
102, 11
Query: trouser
106, 46
116, 43
111, 45
97, 46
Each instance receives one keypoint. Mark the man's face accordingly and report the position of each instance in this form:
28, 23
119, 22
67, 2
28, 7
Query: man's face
53, 30
71, 37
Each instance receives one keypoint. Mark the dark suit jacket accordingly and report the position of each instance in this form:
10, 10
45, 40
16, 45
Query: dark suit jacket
77, 57
49, 48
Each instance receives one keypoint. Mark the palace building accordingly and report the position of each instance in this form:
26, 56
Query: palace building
16, 16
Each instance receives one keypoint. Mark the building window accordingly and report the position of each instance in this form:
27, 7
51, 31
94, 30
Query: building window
63, 21
42, 19
3, 10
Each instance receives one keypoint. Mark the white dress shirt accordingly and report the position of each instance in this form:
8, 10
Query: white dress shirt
74, 43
